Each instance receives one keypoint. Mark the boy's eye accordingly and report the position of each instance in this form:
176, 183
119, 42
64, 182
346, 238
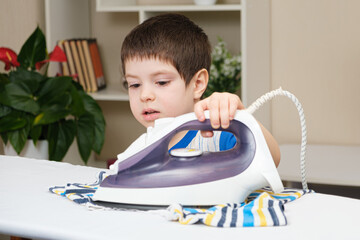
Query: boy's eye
134, 85
162, 83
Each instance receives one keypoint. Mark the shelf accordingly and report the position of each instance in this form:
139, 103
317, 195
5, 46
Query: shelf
110, 93
167, 8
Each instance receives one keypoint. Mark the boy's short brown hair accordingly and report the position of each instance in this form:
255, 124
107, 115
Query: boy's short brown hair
172, 38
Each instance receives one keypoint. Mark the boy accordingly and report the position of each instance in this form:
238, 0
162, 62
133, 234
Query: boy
166, 61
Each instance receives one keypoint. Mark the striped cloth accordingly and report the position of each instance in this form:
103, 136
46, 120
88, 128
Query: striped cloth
220, 141
210, 144
261, 208
80, 193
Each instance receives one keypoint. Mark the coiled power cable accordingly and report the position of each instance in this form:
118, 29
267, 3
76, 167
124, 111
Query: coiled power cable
279, 92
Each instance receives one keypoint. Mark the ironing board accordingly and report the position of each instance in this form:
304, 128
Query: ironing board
28, 209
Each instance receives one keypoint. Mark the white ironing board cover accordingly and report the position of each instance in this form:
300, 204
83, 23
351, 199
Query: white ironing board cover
28, 209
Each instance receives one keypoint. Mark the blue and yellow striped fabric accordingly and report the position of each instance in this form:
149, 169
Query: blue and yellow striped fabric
80, 193
261, 208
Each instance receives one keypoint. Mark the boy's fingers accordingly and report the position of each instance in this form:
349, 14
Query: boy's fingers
224, 112
234, 105
199, 109
214, 113
206, 133
239, 104
222, 108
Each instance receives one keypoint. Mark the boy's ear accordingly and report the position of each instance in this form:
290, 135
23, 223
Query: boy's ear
200, 81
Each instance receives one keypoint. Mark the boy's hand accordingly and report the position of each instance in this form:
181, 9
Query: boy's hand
222, 108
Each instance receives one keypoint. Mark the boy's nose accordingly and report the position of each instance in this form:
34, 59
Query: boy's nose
147, 95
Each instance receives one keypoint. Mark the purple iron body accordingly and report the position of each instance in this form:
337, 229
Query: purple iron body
152, 176
155, 167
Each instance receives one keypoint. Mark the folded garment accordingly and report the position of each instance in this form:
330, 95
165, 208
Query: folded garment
261, 208
80, 193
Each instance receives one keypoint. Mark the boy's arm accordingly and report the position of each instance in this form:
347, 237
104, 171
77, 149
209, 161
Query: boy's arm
222, 108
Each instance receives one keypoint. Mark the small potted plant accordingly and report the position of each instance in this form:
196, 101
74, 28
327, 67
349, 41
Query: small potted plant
225, 70
37, 107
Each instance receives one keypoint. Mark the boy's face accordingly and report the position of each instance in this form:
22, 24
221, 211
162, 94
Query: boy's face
156, 90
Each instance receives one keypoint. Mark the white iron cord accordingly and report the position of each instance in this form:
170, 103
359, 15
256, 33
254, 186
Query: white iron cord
279, 92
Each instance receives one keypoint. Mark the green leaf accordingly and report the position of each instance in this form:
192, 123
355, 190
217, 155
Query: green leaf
35, 133
18, 139
4, 78
11, 122
30, 79
54, 110
85, 135
77, 104
19, 96
4, 137
93, 108
60, 136
51, 115
4, 110
18, 92
33, 50
53, 88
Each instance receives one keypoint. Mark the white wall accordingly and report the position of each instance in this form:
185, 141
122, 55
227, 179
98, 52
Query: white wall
315, 53
18, 20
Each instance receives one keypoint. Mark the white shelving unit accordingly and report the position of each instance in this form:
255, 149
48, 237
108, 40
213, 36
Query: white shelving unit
110, 93
117, 6
72, 19
146, 11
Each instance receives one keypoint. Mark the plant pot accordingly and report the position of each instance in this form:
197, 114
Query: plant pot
40, 151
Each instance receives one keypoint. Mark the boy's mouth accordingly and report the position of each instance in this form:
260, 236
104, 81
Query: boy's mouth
150, 114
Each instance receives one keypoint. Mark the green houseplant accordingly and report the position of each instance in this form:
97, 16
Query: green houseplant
225, 70
35, 106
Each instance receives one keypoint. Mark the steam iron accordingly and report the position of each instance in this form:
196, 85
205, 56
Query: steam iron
148, 174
